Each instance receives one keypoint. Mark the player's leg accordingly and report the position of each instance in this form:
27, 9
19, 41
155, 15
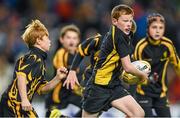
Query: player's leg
96, 99
90, 115
148, 111
129, 106
10, 109
161, 107
30, 114
48, 112
163, 111
14, 109
76, 100
146, 103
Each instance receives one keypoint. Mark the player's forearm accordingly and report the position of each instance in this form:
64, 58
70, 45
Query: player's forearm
22, 87
131, 69
50, 85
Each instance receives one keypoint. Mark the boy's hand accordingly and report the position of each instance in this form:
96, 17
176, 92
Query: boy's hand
71, 80
26, 105
144, 78
61, 72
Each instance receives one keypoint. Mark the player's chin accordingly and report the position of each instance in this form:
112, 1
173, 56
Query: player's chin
47, 49
127, 32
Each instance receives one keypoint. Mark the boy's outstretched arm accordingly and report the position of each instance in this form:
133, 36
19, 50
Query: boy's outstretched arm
60, 74
71, 77
84, 49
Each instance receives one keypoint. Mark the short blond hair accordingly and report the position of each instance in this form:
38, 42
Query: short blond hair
33, 31
71, 27
119, 10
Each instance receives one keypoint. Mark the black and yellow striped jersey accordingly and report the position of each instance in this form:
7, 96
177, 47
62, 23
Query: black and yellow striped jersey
32, 67
62, 58
89, 47
116, 45
159, 54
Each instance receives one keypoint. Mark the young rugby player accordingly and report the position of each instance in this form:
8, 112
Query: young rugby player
29, 74
104, 90
159, 51
61, 97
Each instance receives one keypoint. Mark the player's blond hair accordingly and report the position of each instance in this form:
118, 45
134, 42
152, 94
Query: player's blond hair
34, 31
119, 10
71, 27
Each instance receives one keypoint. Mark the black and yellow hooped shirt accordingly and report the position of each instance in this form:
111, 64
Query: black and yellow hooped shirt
32, 67
89, 47
116, 45
159, 53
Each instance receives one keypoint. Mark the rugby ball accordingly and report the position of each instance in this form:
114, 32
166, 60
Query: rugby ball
140, 65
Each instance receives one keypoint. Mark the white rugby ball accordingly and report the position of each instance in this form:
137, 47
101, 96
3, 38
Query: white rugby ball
140, 65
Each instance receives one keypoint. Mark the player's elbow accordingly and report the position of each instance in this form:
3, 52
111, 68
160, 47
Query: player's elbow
45, 89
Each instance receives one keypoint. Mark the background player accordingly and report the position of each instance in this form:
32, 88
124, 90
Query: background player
60, 97
159, 51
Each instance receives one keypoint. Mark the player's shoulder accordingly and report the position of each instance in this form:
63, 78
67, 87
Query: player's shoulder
29, 58
60, 51
141, 42
95, 37
167, 40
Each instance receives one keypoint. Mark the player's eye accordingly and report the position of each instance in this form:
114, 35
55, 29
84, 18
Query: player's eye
125, 20
160, 27
154, 27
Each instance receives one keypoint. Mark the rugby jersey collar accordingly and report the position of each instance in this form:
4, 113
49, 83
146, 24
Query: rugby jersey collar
153, 42
118, 31
39, 52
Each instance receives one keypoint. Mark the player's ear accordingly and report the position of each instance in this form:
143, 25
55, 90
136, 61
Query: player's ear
114, 21
38, 40
61, 40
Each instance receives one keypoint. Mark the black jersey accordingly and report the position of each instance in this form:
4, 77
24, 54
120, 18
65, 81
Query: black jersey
159, 54
89, 47
115, 46
32, 67
62, 58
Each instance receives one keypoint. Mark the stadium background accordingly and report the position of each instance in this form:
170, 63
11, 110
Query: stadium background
90, 16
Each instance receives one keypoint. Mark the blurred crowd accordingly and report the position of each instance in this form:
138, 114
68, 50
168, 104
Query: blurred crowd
91, 16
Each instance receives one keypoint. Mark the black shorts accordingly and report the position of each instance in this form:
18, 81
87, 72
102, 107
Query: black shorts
11, 109
98, 98
154, 102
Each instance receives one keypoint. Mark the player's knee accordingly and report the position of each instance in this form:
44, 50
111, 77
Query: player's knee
141, 113
138, 113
